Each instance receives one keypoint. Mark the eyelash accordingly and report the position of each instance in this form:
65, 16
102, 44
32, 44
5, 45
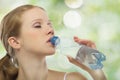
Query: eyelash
49, 24
38, 26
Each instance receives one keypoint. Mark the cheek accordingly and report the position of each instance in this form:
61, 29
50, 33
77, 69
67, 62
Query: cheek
33, 40
32, 36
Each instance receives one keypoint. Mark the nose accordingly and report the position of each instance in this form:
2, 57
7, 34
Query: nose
50, 31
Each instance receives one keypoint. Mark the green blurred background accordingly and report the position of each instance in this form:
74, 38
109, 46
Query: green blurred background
100, 22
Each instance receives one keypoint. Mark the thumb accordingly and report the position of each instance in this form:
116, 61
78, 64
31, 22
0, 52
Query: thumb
71, 59
77, 63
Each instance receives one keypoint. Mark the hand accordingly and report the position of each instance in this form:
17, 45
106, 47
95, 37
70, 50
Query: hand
85, 42
96, 74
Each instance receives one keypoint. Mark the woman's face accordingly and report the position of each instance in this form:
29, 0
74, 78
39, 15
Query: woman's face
36, 31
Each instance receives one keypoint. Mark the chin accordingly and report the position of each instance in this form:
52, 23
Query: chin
51, 53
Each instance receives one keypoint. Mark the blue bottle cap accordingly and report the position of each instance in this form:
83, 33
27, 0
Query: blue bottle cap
55, 40
98, 63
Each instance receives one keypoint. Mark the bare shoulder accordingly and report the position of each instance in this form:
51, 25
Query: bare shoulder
56, 75
75, 76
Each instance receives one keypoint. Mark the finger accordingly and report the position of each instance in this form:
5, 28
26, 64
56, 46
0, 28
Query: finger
89, 44
93, 46
80, 41
71, 59
77, 63
76, 39
84, 42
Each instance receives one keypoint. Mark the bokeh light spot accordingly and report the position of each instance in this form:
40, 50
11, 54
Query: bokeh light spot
74, 3
72, 19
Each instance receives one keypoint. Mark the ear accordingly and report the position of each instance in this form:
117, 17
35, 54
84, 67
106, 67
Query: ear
14, 42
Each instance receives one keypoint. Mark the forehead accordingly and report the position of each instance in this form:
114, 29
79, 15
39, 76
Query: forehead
34, 13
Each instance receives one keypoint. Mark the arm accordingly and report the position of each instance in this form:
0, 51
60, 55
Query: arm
96, 74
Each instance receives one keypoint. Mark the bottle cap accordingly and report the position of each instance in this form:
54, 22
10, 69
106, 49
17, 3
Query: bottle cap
55, 40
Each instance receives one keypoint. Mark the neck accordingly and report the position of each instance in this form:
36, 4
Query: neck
32, 68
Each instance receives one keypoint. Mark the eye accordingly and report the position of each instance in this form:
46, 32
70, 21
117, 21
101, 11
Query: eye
50, 24
37, 25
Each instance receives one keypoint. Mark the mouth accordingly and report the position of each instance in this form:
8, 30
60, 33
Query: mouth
49, 40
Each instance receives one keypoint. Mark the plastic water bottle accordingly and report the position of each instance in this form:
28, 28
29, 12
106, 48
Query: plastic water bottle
88, 56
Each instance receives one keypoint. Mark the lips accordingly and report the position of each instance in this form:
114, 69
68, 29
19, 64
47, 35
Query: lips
49, 40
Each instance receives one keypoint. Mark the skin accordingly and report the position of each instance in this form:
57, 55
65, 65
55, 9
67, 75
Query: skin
32, 46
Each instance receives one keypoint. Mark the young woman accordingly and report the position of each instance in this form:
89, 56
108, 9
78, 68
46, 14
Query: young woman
25, 33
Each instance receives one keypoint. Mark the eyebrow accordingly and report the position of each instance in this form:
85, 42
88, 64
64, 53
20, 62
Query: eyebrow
40, 20
37, 20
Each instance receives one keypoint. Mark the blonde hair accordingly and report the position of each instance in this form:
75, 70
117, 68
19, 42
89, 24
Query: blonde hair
10, 26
